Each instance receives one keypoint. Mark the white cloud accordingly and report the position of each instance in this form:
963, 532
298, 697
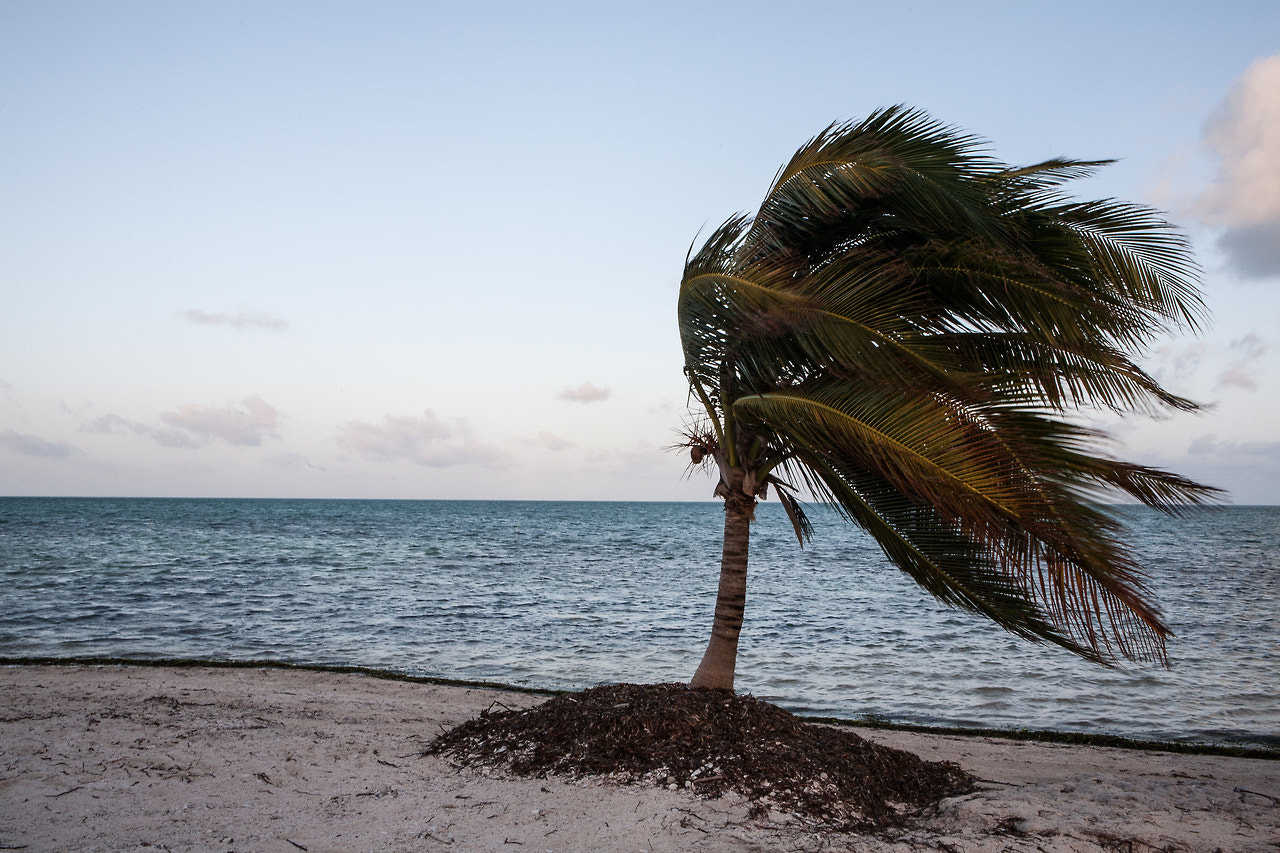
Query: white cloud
1244, 198
1237, 376
427, 440
551, 441
240, 427
32, 445
1177, 363
585, 393
241, 320
1240, 372
194, 425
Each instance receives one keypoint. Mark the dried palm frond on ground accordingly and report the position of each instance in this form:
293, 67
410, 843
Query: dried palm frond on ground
708, 741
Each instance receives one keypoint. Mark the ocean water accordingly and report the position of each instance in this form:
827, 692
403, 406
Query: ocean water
570, 595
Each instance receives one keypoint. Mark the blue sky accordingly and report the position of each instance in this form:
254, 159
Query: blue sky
415, 250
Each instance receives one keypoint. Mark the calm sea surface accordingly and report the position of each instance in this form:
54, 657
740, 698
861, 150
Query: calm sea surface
569, 595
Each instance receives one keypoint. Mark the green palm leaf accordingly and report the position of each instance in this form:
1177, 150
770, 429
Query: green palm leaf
901, 328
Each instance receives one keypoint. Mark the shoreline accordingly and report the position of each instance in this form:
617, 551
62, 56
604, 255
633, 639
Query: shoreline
266, 758
1188, 747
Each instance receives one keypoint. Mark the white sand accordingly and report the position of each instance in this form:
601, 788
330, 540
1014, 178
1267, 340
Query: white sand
141, 758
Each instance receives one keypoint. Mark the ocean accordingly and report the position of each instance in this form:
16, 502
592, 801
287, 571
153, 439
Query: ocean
574, 594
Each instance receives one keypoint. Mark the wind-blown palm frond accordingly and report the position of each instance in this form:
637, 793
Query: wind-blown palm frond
902, 327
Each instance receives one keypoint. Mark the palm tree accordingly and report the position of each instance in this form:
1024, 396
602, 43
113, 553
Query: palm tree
904, 330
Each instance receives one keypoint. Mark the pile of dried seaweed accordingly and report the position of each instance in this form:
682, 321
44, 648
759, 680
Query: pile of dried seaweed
708, 741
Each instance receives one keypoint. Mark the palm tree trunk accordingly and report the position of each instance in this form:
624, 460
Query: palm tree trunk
721, 657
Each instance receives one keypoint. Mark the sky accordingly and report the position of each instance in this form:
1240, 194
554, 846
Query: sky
432, 250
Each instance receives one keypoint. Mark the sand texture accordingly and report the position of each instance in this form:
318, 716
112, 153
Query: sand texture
203, 759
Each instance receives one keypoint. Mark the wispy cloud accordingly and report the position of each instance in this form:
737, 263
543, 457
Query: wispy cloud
246, 426
585, 393
1210, 445
1177, 363
1180, 364
1240, 373
639, 456
7, 391
549, 441
1244, 198
113, 424
195, 425
426, 440
242, 320
33, 445
295, 461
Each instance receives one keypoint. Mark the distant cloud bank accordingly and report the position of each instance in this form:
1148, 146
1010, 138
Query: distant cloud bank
424, 440
32, 445
242, 320
1244, 198
1209, 444
195, 425
585, 393
246, 426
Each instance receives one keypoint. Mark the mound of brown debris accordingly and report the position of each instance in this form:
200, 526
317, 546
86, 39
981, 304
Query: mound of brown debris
708, 741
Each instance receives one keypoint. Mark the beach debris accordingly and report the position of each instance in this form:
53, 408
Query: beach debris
707, 742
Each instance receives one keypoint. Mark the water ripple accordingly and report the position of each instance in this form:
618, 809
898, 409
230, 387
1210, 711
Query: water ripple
569, 595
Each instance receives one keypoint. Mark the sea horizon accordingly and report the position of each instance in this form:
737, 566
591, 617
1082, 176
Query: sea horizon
709, 500
570, 594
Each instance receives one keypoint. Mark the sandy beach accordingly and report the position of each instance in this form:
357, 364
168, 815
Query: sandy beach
112, 758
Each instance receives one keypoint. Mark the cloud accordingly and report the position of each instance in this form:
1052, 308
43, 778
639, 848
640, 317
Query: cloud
1254, 250
1249, 469
7, 391
242, 320
1209, 445
550, 441
426, 440
1237, 376
585, 393
114, 424
639, 456
295, 461
1179, 364
195, 425
32, 445
1176, 363
1244, 198
245, 427
1240, 372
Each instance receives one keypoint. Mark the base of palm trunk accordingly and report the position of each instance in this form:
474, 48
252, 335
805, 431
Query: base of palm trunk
720, 660
718, 665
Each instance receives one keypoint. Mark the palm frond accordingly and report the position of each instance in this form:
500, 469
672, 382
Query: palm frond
1062, 375
795, 512
899, 328
1098, 612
